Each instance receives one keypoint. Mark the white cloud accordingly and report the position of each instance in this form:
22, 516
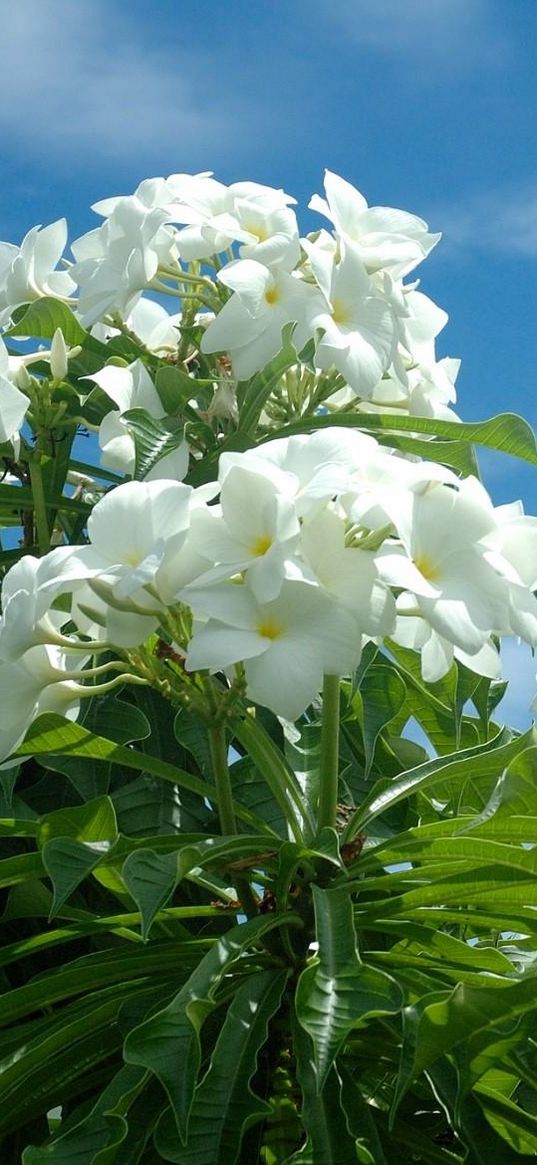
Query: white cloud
503, 221
424, 35
83, 78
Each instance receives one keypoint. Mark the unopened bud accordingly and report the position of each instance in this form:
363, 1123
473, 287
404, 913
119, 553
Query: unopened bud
21, 378
58, 356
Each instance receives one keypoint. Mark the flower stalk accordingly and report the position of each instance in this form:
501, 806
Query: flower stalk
328, 793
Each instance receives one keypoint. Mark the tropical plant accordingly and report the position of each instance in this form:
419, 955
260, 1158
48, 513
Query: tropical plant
268, 859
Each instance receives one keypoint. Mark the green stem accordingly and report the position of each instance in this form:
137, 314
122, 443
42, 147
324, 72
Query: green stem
40, 505
329, 765
219, 752
278, 774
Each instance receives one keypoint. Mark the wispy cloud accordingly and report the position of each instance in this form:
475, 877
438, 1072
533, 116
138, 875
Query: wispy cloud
503, 221
425, 35
75, 76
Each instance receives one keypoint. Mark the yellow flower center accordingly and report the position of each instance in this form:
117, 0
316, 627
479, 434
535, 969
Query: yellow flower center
340, 313
269, 629
427, 568
261, 545
260, 232
134, 558
272, 295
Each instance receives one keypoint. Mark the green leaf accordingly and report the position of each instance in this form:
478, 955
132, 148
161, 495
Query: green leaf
192, 734
153, 439
382, 695
512, 1123
278, 774
437, 707
337, 991
20, 497
253, 394
74, 842
248, 786
80, 1146
41, 318
53, 735
515, 793
361, 1121
96, 971
50, 1064
507, 432
483, 1144
151, 877
20, 869
175, 388
304, 756
168, 1043
224, 1105
323, 1116
433, 1027
481, 763
93, 822
115, 1101
67, 864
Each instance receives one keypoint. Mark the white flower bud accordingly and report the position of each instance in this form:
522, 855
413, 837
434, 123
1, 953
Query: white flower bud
58, 356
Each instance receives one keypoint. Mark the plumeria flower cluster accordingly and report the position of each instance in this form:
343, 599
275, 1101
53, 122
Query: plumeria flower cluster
279, 572
305, 547
233, 262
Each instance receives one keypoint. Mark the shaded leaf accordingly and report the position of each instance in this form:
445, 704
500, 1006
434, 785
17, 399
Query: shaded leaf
224, 1105
80, 1146
168, 1043
337, 990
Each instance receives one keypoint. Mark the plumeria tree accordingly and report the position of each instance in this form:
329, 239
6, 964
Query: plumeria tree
246, 556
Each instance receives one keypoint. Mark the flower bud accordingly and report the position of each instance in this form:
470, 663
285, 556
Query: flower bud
58, 356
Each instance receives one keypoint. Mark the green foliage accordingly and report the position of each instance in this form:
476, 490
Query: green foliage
362, 994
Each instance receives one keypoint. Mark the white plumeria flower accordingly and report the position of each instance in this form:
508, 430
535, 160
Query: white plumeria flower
245, 212
258, 537
23, 625
37, 682
158, 331
133, 530
14, 404
250, 324
29, 272
423, 322
441, 560
133, 388
115, 262
287, 645
311, 468
436, 652
347, 573
358, 326
32, 584
427, 390
380, 485
274, 234
384, 237
152, 193
101, 619
151, 323
512, 550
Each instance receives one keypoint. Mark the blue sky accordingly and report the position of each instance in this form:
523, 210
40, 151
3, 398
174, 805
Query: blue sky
427, 105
